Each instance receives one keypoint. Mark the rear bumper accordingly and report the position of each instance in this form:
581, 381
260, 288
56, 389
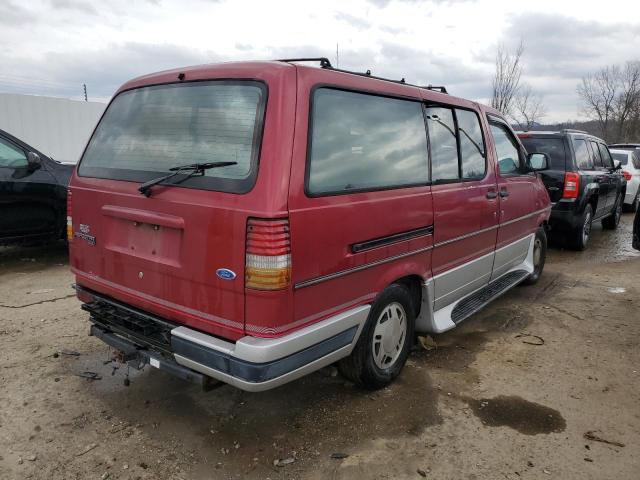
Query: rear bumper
564, 216
251, 363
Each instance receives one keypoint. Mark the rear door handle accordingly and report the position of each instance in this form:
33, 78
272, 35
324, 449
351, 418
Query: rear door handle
491, 195
504, 193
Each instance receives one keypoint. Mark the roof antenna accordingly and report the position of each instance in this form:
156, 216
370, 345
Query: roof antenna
368, 74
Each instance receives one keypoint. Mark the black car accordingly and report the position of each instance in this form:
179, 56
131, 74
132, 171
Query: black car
583, 184
33, 193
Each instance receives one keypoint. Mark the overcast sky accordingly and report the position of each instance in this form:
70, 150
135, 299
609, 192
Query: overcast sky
52, 47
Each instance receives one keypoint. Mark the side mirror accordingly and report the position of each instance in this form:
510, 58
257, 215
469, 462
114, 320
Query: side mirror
538, 161
34, 161
617, 165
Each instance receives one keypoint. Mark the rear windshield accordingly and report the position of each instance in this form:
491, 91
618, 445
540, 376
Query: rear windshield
623, 158
553, 147
148, 130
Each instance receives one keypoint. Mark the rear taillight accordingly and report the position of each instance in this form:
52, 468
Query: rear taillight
571, 185
627, 175
69, 217
268, 254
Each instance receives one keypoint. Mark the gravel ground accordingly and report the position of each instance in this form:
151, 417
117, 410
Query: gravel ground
488, 402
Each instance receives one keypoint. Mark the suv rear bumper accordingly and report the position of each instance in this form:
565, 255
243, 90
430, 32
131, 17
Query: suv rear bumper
565, 216
251, 363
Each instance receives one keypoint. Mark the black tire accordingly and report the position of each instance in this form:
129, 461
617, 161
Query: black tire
612, 221
361, 366
582, 233
539, 257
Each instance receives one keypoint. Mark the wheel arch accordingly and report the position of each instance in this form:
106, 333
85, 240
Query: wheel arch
411, 275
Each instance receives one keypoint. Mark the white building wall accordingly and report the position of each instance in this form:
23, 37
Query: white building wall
58, 127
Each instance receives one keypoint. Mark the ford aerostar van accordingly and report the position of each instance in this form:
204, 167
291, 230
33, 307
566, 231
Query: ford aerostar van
253, 222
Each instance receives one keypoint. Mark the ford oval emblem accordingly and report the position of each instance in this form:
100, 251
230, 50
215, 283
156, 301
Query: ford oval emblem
226, 274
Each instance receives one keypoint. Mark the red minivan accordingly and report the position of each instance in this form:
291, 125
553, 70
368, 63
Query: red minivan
253, 222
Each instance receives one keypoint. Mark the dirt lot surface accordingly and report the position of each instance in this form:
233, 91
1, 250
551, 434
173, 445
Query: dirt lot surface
488, 403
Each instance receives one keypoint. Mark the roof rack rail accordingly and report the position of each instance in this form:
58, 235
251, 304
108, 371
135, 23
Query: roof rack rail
325, 63
436, 88
573, 130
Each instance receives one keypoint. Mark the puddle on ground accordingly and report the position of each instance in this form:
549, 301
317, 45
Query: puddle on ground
522, 415
616, 290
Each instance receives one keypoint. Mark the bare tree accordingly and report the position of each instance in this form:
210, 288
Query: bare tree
528, 108
612, 97
627, 103
598, 93
507, 78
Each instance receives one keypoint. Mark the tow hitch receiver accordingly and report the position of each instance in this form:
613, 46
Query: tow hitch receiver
138, 357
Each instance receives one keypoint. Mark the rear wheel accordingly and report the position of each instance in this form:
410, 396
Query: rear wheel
612, 221
539, 256
582, 233
383, 346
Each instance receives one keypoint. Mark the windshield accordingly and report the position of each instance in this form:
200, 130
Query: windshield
148, 130
622, 157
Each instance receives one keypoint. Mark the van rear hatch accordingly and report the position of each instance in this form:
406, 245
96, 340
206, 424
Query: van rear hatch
180, 252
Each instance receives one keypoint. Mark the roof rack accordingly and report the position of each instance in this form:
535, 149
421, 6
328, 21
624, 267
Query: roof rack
436, 88
325, 63
573, 130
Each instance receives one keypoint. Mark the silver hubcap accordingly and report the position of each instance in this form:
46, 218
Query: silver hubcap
389, 335
586, 228
537, 252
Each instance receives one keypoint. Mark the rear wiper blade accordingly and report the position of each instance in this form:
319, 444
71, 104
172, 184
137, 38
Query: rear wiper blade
193, 168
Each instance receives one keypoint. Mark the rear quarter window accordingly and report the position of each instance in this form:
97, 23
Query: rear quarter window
584, 160
362, 142
554, 148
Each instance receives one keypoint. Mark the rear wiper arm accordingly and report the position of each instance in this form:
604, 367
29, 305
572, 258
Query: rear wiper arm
193, 168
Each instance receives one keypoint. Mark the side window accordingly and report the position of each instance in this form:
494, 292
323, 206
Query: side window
11, 156
472, 150
443, 144
507, 150
636, 160
595, 153
607, 161
584, 160
365, 142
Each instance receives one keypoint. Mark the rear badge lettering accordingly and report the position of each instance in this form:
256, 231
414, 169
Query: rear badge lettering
226, 274
84, 234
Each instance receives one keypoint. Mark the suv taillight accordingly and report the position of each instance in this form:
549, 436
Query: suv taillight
571, 185
627, 175
268, 254
69, 217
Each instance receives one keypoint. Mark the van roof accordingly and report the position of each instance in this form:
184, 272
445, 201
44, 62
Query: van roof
274, 68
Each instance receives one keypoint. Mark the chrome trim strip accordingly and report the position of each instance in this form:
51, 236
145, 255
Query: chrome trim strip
466, 235
524, 217
342, 273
